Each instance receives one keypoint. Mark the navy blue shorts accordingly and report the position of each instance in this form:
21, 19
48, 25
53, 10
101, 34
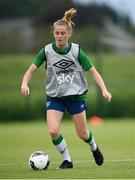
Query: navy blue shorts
72, 106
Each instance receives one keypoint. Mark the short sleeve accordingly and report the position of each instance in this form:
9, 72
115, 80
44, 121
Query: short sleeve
84, 60
40, 58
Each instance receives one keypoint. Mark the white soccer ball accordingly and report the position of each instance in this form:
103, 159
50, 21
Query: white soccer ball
39, 160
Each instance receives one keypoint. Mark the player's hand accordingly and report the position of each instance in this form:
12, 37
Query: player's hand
107, 95
25, 90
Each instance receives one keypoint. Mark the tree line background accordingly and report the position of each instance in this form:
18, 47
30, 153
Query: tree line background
39, 16
26, 26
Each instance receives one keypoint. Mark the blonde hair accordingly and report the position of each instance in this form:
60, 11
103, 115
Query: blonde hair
67, 19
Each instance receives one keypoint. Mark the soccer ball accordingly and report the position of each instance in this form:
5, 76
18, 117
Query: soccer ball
39, 160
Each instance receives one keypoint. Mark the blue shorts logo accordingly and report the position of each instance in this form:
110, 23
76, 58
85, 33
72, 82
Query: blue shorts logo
48, 103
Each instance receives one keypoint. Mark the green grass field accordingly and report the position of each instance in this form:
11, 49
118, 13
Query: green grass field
115, 137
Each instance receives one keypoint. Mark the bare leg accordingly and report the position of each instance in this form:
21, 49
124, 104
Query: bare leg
54, 120
82, 131
81, 128
81, 125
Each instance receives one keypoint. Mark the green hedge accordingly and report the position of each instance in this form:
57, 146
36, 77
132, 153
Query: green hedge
33, 107
117, 71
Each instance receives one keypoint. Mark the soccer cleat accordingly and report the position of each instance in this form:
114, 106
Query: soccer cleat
98, 156
66, 164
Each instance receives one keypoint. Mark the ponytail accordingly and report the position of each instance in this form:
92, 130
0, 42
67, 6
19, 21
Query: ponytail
67, 19
68, 15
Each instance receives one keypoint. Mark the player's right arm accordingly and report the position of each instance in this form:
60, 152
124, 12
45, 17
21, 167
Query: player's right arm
26, 78
38, 61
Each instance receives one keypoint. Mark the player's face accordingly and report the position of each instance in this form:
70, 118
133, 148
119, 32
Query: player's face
61, 35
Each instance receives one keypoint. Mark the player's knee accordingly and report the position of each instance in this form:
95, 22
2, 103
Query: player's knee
54, 133
83, 135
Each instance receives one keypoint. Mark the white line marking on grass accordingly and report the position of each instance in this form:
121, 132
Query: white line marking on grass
121, 160
110, 160
76, 162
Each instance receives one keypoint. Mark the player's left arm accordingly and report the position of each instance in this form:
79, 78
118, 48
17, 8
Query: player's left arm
97, 77
88, 66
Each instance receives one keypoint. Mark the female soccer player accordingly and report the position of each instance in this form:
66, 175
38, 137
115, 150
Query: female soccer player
66, 87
